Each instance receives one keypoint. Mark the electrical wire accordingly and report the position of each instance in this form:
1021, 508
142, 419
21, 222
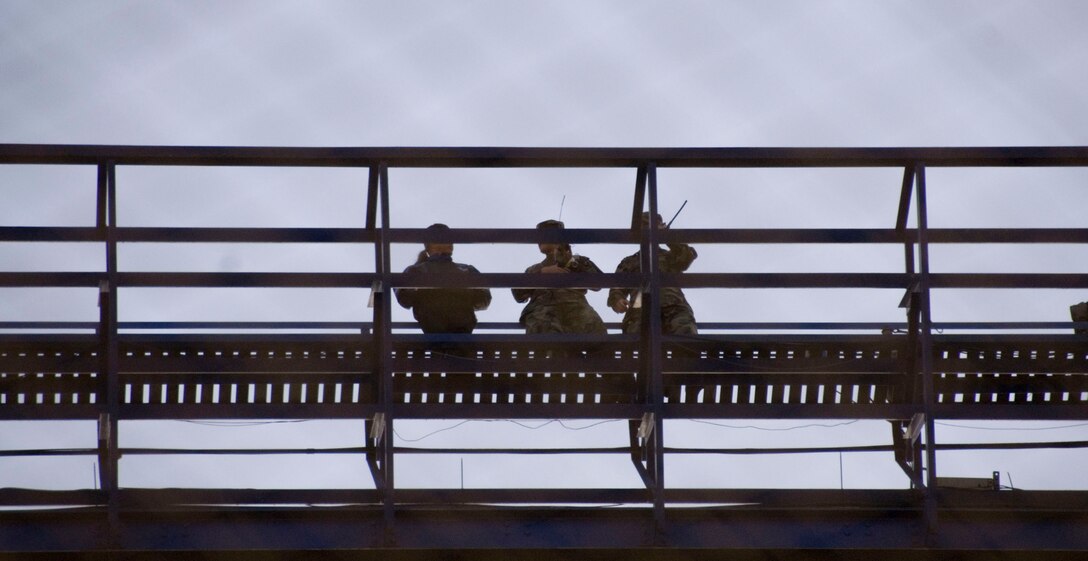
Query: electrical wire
608, 421
770, 429
560, 422
597, 424
511, 421
953, 425
233, 424
430, 434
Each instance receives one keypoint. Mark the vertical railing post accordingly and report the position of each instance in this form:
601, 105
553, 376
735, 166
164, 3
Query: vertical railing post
645, 381
652, 347
902, 218
642, 432
925, 334
383, 348
109, 350
907, 444
640, 197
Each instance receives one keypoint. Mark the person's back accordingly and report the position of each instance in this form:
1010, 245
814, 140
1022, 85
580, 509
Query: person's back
1079, 313
444, 310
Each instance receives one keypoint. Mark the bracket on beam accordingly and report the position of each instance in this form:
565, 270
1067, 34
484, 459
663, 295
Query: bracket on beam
377, 427
642, 447
103, 429
103, 290
908, 453
646, 427
375, 448
914, 429
908, 296
375, 288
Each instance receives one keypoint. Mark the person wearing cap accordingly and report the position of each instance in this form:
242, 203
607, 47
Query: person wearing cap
558, 310
677, 318
442, 310
1079, 313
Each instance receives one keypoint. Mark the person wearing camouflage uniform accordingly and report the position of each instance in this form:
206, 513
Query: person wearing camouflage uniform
559, 310
676, 315
677, 318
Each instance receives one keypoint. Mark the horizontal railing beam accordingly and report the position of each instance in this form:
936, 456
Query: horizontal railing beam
844, 236
497, 157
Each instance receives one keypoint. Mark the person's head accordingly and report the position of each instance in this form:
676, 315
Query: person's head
549, 247
434, 244
658, 222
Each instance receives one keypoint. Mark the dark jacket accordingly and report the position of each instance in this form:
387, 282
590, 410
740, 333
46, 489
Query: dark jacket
443, 310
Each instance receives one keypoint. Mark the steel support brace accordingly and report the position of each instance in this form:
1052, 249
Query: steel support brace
381, 458
905, 434
651, 349
901, 228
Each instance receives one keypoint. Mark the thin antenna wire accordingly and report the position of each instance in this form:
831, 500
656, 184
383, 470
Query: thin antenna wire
677, 213
561, 203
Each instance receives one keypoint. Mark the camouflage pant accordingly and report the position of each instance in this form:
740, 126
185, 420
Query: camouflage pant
563, 317
675, 320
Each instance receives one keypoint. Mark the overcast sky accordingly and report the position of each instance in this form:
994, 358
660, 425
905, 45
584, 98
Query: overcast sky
502, 73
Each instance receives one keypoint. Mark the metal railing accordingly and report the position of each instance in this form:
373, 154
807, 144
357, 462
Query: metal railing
916, 445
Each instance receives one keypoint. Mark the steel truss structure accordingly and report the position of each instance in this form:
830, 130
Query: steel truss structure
112, 372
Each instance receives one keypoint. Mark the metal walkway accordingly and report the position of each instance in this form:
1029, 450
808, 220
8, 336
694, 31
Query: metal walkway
909, 374
504, 376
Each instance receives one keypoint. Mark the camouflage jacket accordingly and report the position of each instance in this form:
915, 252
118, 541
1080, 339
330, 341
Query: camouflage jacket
542, 296
676, 259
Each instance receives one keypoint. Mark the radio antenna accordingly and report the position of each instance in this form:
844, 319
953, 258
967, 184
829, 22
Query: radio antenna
561, 203
677, 213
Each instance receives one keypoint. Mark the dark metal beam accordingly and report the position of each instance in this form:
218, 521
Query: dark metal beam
819, 524
497, 157
581, 280
528, 236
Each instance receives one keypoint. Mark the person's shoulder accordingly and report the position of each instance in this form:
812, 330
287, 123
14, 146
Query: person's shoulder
466, 268
416, 267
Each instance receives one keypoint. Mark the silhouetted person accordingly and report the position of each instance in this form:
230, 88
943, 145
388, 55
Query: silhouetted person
442, 310
1079, 312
